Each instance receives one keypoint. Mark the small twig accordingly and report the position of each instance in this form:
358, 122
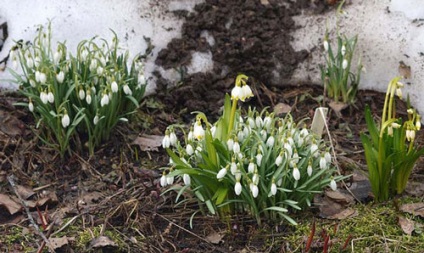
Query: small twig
335, 157
11, 180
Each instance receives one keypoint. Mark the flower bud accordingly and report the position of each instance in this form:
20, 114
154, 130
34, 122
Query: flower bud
114, 87
344, 64
65, 120
81, 94
105, 100
60, 77
221, 174
237, 188
186, 179
333, 185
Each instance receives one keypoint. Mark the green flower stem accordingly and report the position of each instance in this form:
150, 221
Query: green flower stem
232, 116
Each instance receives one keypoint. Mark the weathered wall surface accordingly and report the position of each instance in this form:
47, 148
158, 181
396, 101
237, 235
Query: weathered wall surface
389, 32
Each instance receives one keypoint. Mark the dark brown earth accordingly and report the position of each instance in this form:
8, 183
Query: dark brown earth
118, 190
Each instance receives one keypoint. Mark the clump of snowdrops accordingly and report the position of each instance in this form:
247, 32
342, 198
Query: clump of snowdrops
390, 149
77, 98
257, 163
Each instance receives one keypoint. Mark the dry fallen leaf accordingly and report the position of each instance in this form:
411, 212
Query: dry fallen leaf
58, 242
214, 238
337, 107
24, 192
281, 108
406, 224
10, 125
416, 209
346, 213
340, 197
102, 241
148, 142
8, 203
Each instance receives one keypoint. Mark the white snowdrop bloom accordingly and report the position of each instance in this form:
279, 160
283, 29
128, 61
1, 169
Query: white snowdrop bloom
88, 97
166, 141
267, 122
190, 136
30, 106
246, 130
309, 169
114, 87
189, 149
295, 157
240, 156
237, 188
344, 64
314, 148
264, 134
236, 147
169, 180
280, 182
251, 122
390, 130
246, 92
233, 167
44, 97
99, 71
43, 78
221, 174
237, 175
273, 189
50, 97
32, 83
327, 157
230, 144
84, 54
37, 61
163, 180
37, 76
65, 120
290, 140
326, 45
30, 63
288, 149
304, 132
343, 50
279, 159
259, 159
237, 93
186, 179
395, 125
93, 65
81, 94
322, 163
198, 131
251, 167
418, 123
254, 189
399, 93
56, 57
296, 173
255, 178
102, 60
240, 135
173, 138
198, 152
270, 141
60, 77
93, 89
333, 185
127, 90
410, 135
213, 131
96, 119
105, 100
259, 122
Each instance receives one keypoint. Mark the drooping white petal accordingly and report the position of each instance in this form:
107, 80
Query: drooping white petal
333, 185
296, 173
221, 173
186, 179
237, 188
65, 120
273, 189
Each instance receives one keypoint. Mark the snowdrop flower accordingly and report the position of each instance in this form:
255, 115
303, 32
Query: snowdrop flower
190, 136
251, 167
88, 97
173, 138
259, 158
163, 182
114, 87
32, 83
213, 131
399, 93
230, 144
42, 77
237, 188
309, 169
56, 57
189, 149
81, 94
30, 62
169, 180
240, 135
273, 189
186, 179
99, 70
30, 105
60, 77
344, 64
264, 134
326, 45
127, 90
236, 147
255, 178
93, 65
267, 122
246, 92
96, 119
327, 157
105, 100
233, 167
322, 163
221, 174
65, 120
166, 141
198, 131
280, 182
343, 50
390, 130
296, 173
288, 148
84, 54
259, 122
314, 148
270, 141
37, 61
279, 159
237, 93
254, 189
410, 135
333, 185
50, 97
44, 97
418, 123
251, 122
